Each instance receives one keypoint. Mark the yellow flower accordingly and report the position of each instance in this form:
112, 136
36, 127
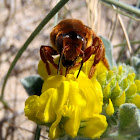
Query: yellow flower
69, 105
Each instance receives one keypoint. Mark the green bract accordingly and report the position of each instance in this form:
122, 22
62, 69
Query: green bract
120, 86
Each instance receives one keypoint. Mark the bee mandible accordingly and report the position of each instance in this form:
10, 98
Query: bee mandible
72, 39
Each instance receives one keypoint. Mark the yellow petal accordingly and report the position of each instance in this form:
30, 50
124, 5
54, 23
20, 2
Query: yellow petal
82, 74
71, 77
120, 100
71, 126
55, 131
42, 70
67, 111
76, 98
31, 99
136, 100
32, 105
52, 82
110, 108
61, 96
46, 113
93, 95
94, 127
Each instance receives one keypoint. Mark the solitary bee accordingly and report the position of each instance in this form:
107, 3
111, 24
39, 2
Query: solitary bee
72, 39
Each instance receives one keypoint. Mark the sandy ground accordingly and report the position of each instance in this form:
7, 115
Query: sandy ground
18, 19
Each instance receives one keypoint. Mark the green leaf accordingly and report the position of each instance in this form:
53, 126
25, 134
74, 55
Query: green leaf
32, 84
108, 51
129, 119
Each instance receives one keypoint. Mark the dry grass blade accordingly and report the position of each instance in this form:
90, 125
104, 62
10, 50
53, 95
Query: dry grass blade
93, 9
113, 26
125, 32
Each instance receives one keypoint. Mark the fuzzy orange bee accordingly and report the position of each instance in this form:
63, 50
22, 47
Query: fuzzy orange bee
72, 39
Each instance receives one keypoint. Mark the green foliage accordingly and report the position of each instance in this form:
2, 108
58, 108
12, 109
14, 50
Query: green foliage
129, 120
32, 84
108, 51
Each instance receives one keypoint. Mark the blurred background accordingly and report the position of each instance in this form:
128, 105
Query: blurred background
18, 19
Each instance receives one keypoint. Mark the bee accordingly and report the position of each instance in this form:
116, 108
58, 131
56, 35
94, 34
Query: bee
72, 39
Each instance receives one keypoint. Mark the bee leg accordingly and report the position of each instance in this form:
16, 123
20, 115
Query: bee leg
97, 58
99, 48
99, 51
46, 53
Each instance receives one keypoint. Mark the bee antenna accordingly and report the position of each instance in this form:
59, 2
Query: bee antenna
80, 69
60, 58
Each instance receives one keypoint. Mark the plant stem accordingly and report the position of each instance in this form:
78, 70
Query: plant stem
124, 6
5, 105
122, 13
29, 40
135, 52
37, 133
124, 43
